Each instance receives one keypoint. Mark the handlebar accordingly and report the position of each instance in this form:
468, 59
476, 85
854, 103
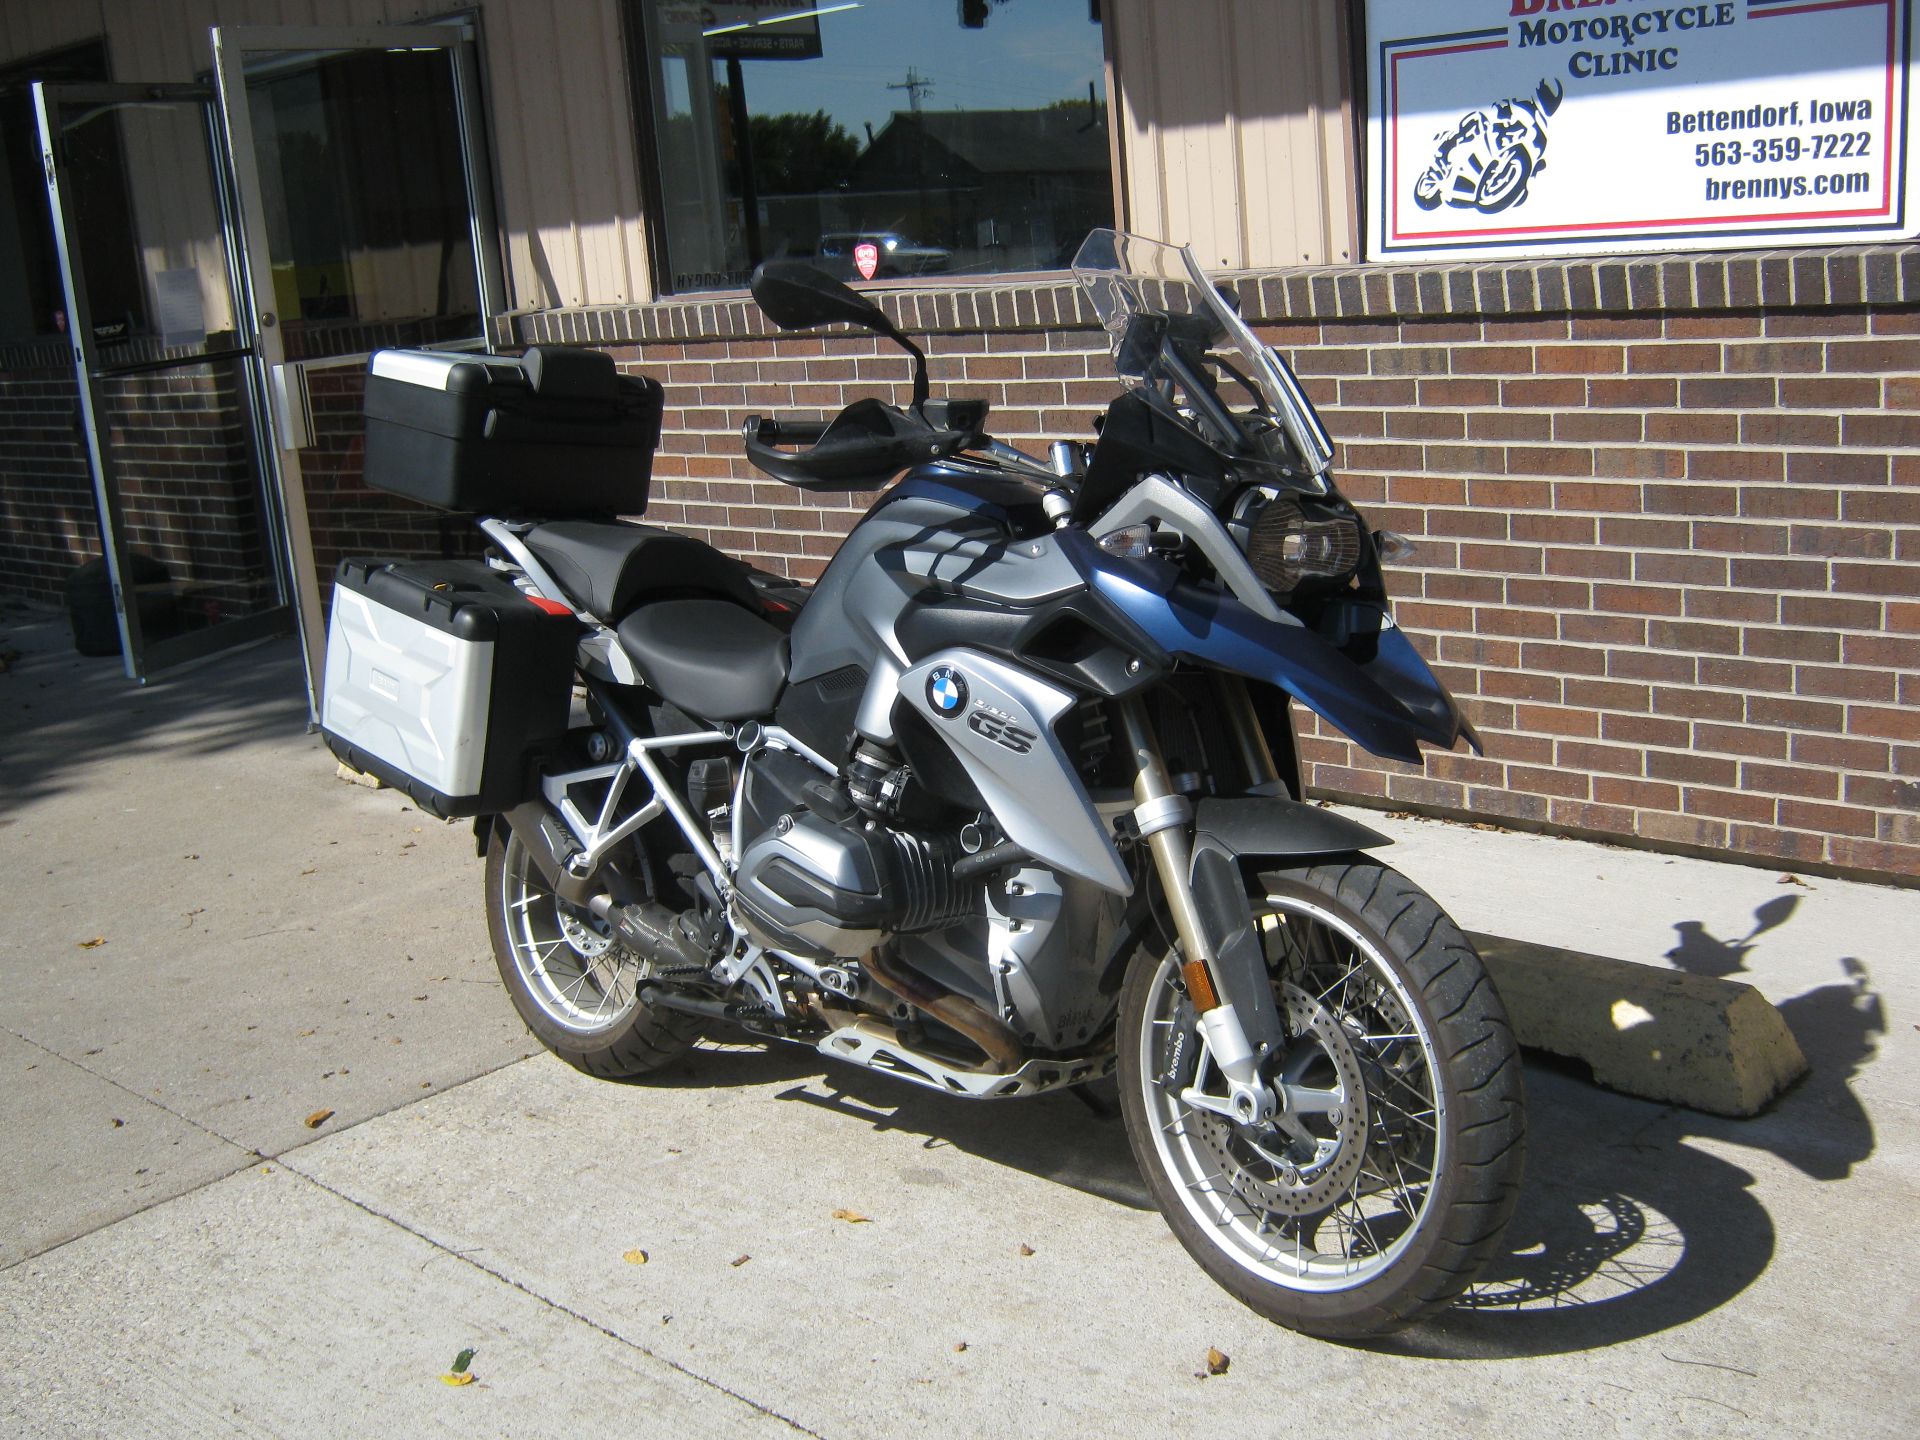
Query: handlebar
862, 446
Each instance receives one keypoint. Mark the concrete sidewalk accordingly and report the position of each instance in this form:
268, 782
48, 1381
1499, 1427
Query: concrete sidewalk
181, 1255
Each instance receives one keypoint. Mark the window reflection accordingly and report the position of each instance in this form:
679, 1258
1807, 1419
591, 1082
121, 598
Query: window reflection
881, 139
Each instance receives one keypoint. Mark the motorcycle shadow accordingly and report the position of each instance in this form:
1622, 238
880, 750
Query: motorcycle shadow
1623, 1229
1073, 1140
1621, 1232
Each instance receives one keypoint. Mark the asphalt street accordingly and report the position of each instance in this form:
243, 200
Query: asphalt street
207, 940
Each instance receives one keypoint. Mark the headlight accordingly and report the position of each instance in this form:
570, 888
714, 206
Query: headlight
1284, 546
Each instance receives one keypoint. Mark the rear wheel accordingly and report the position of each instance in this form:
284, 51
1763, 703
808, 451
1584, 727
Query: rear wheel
572, 981
1389, 1175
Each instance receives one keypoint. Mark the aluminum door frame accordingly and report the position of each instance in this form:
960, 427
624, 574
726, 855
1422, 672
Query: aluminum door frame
139, 655
231, 44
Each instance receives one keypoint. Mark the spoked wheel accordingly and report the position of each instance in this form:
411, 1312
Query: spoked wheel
573, 983
1390, 1171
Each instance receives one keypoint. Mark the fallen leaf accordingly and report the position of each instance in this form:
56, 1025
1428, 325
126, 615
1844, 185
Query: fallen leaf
118, 1122
1216, 1362
635, 1257
1793, 880
309, 870
739, 1260
466, 1379
94, 944
1026, 1249
959, 1347
318, 1118
304, 1033
852, 1217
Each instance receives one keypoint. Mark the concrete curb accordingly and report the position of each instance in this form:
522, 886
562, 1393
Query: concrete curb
1693, 1040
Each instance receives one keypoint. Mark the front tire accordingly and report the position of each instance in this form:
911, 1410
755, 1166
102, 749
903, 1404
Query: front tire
573, 983
1387, 1183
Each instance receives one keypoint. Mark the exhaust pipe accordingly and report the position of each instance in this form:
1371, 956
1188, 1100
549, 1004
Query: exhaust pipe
1004, 1051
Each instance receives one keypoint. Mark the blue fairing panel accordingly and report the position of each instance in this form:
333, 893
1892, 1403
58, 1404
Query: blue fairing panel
1387, 704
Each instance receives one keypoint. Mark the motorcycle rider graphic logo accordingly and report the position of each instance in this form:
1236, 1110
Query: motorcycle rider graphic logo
947, 691
1487, 160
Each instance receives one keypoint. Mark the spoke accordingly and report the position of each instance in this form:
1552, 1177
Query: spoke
1360, 1226
1424, 1119
1419, 1097
1357, 966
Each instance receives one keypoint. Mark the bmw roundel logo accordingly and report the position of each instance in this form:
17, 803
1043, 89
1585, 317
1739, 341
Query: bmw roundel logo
946, 691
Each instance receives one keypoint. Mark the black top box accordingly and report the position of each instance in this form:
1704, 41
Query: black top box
556, 432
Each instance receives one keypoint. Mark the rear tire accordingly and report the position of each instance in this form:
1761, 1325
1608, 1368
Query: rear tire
572, 982
1389, 1184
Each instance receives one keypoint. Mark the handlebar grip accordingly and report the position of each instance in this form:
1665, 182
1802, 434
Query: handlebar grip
772, 430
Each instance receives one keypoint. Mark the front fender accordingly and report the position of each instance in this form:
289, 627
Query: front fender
1224, 833
1388, 703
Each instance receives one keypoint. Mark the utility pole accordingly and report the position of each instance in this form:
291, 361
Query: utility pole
915, 85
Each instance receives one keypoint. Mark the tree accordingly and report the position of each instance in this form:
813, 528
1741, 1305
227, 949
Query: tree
799, 154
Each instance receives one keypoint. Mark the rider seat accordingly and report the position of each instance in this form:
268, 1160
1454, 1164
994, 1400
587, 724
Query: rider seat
708, 657
607, 568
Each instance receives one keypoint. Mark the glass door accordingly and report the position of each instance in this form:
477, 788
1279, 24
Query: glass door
169, 405
367, 221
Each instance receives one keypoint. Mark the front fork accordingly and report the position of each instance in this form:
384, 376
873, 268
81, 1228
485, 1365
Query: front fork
1165, 820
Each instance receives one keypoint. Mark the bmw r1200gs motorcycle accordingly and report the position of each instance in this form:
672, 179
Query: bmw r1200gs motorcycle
1011, 803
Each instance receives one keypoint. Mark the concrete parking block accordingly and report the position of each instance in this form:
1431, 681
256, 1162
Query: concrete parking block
1710, 1044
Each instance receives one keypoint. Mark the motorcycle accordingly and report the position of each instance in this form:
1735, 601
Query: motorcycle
1010, 801
1488, 159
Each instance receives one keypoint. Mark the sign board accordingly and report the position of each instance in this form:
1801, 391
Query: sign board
744, 30
1507, 128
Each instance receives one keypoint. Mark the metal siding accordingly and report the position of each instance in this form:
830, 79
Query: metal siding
1234, 116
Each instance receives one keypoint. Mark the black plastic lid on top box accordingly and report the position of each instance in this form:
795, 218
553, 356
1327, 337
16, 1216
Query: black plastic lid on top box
558, 431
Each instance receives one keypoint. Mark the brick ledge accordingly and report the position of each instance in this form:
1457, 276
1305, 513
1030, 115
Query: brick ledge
1803, 280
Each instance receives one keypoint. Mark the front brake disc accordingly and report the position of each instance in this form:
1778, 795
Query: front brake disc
1301, 1164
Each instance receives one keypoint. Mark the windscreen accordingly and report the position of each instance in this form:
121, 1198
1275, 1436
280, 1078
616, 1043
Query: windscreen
1127, 276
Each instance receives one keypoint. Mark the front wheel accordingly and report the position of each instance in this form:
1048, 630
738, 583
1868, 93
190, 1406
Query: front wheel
1390, 1172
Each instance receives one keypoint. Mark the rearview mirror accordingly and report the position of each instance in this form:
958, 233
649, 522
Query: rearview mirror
795, 296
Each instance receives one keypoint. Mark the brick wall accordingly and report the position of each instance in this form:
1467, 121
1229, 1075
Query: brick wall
1668, 513
183, 459
47, 523
184, 467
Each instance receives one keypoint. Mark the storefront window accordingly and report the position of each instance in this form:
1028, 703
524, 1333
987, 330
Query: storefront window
881, 139
32, 304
